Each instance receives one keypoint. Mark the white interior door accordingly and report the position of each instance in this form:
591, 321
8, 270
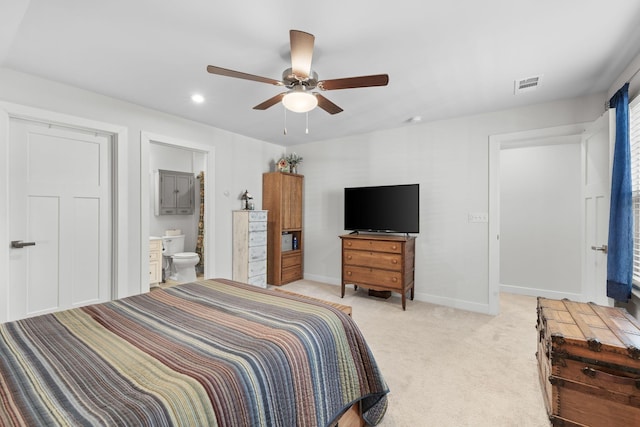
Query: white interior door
59, 205
596, 150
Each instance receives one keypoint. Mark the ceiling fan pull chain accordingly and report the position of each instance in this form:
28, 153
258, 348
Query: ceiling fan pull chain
307, 129
285, 121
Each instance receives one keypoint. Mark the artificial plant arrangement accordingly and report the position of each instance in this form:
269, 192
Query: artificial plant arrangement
294, 160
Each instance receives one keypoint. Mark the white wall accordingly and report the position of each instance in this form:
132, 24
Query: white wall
449, 159
540, 219
240, 161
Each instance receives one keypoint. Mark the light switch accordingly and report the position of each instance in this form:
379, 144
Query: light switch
478, 217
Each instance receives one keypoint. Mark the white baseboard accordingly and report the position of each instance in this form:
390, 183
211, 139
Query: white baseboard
323, 279
462, 304
453, 303
534, 292
419, 296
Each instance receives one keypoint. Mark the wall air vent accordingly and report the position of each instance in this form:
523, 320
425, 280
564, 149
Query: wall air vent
527, 84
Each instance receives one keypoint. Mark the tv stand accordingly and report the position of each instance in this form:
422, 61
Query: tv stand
379, 263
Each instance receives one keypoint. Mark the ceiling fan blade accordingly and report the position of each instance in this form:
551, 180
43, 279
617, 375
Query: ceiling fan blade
301, 52
270, 102
327, 105
354, 82
237, 74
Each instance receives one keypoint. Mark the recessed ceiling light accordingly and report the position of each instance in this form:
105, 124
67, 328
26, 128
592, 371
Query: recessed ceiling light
197, 98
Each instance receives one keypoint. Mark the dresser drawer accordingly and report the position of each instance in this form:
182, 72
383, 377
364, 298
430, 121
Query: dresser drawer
257, 253
289, 260
289, 274
258, 238
372, 245
259, 280
385, 261
257, 226
257, 267
372, 276
258, 216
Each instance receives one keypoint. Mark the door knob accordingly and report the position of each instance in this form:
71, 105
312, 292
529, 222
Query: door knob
20, 244
603, 248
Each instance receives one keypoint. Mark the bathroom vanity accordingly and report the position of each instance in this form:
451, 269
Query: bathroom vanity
155, 260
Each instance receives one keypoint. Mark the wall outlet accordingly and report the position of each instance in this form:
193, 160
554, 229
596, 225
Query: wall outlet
478, 217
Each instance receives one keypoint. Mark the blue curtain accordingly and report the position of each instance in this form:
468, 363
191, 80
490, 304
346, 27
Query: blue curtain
620, 259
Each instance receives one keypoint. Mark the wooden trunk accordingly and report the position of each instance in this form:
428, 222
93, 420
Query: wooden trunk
589, 364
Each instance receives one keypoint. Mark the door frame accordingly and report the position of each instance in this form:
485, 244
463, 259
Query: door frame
117, 175
146, 139
496, 142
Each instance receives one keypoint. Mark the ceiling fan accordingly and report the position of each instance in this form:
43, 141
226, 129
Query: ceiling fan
301, 80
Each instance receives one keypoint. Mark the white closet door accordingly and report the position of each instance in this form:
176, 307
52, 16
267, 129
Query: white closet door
59, 193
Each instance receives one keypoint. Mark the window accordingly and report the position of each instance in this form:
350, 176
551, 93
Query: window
634, 139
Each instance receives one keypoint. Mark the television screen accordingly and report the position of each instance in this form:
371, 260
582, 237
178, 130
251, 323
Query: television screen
390, 208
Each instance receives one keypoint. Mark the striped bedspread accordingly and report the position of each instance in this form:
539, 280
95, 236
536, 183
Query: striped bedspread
206, 353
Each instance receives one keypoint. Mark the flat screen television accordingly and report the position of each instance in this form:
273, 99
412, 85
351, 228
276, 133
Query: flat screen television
388, 208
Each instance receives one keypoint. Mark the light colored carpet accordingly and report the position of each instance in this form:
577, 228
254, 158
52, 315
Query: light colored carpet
448, 367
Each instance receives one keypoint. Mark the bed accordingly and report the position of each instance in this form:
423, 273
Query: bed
212, 352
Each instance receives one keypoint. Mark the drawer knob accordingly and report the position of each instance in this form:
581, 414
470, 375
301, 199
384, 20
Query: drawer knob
348, 273
348, 243
348, 256
394, 280
394, 247
395, 261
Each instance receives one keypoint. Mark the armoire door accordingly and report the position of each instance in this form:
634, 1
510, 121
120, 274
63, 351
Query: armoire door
291, 202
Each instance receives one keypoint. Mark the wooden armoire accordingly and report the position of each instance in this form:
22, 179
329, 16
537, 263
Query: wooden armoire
282, 197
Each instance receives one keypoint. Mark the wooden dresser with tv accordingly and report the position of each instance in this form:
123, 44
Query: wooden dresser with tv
379, 262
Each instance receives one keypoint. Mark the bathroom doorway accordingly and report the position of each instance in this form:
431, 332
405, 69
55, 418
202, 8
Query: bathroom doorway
165, 153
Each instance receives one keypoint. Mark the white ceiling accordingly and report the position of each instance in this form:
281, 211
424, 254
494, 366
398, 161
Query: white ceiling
444, 58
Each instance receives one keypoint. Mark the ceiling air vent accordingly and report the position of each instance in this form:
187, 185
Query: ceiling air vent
527, 84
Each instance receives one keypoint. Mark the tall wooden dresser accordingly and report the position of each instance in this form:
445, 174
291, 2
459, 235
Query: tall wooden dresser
379, 262
282, 196
250, 247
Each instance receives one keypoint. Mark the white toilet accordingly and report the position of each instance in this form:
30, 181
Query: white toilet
182, 265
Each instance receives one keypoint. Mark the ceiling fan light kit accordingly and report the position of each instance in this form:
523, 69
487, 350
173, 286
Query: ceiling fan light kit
299, 100
301, 80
